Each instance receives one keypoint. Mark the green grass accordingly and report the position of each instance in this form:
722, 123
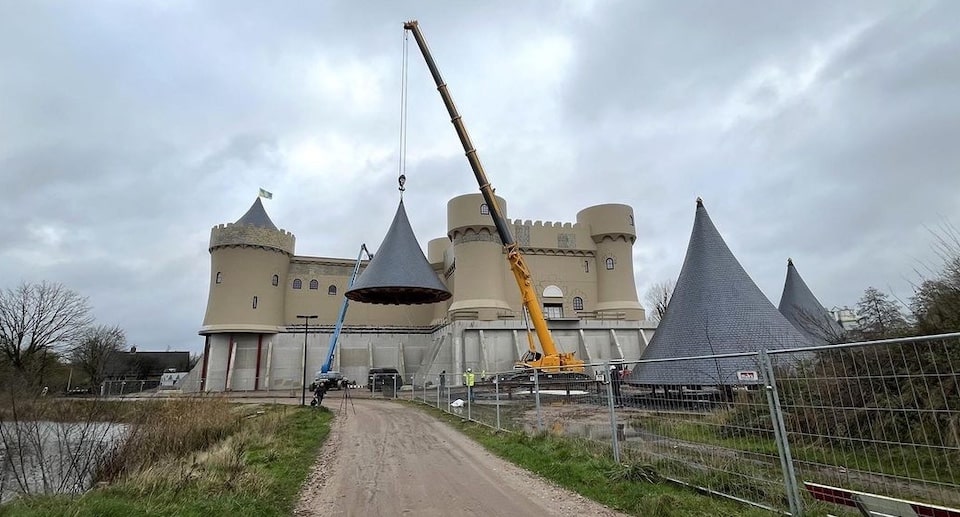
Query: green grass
256, 471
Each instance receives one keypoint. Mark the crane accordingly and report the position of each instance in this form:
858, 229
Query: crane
550, 360
324, 373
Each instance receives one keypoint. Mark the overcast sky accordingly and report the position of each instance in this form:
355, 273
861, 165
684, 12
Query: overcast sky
823, 131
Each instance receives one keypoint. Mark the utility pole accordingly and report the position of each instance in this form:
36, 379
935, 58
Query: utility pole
303, 381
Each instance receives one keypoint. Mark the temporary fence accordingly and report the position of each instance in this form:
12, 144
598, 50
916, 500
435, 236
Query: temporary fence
855, 427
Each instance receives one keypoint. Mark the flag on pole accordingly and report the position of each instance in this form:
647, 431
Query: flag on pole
266, 195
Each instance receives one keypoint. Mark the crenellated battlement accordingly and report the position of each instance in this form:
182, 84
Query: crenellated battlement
231, 234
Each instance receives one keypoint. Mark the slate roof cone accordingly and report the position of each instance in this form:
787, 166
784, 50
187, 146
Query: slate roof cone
715, 309
399, 273
801, 307
257, 216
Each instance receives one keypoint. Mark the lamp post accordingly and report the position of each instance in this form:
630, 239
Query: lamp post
306, 326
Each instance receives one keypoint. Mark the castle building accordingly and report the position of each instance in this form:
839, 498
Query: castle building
259, 286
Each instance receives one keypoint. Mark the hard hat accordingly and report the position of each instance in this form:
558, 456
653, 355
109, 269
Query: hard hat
469, 369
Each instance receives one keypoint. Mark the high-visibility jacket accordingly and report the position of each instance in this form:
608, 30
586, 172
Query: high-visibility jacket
468, 378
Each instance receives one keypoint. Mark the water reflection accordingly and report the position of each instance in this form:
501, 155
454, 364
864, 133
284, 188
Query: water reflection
40, 457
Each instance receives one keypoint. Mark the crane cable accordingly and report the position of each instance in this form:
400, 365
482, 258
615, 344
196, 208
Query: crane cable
402, 165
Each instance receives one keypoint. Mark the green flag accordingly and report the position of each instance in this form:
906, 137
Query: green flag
265, 194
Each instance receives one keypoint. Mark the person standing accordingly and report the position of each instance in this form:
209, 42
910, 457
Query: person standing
443, 379
615, 386
469, 379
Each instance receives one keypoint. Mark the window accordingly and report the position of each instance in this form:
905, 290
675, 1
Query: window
552, 291
219, 277
314, 284
586, 266
332, 290
297, 283
552, 311
631, 220
276, 280
577, 303
609, 263
484, 209
254, 302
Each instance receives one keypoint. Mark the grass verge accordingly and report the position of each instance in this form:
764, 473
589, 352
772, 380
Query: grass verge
256, 468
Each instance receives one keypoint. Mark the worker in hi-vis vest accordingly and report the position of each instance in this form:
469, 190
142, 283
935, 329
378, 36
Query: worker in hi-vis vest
469, 378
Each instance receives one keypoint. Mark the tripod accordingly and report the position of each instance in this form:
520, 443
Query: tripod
345, 398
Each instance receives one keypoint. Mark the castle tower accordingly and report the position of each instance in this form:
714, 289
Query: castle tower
478, 258
249, 261
613, 231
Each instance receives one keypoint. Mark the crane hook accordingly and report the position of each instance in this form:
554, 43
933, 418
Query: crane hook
402, 179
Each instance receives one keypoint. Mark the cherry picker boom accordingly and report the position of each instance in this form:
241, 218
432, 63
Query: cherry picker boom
325, 373
550, 360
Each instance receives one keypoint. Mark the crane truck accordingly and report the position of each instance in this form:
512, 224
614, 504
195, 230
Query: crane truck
550, 360
325, 373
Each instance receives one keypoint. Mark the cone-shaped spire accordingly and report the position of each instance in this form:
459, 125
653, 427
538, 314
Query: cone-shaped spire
399, 273
257, 216
801, 307
715, 309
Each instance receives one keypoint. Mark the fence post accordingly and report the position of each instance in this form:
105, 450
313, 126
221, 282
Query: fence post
536, 386
615, 439
496, 387
780, 434
395, 387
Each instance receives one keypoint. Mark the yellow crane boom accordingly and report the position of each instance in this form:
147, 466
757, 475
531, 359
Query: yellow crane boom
550, 360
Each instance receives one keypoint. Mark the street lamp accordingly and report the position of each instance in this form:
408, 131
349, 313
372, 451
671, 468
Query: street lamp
306, 326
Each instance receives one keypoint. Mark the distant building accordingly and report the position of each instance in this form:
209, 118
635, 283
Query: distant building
134, 365
845, 317
583, 272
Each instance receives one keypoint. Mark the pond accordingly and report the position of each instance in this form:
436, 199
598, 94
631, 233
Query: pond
40, 457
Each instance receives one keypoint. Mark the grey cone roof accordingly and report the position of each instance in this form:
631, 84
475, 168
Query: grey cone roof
399, 273
257, 216
715, 309
801, 307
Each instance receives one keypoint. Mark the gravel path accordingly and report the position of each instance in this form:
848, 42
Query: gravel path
389, 459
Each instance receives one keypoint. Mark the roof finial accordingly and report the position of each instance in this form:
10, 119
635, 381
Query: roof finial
699, 202
789, 261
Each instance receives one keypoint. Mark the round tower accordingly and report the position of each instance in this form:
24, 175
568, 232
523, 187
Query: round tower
440, 256
249, 262
478, 257
613, 231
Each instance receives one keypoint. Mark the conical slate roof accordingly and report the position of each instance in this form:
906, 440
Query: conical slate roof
801, 307
399, 273
715, 309
257, 216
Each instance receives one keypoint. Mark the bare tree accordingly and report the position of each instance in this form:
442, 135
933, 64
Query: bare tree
36, 321
658, 297
880, 317
93, 347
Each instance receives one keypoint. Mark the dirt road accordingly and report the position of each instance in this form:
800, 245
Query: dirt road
390, 459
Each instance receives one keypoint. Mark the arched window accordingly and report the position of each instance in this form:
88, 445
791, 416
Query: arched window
609, 263
314, 284
577, 303
254, 302
332, 290
297, 283
552, 291
219, 277
276, 280
631, 220
484, 209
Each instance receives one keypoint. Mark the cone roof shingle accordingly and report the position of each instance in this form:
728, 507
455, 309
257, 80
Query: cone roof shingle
257, 216
801, 307
716, 308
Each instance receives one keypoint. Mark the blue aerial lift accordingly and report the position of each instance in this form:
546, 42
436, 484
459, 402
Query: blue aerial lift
324, 373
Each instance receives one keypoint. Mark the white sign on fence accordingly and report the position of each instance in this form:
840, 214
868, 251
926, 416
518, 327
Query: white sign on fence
748, 375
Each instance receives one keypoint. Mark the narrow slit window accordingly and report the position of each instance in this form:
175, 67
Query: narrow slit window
276, 280
297, 283
254, 302
219, 277
586, 266
314, 284
609, 263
